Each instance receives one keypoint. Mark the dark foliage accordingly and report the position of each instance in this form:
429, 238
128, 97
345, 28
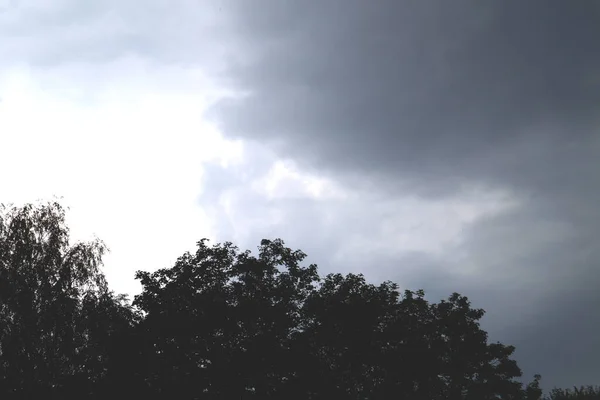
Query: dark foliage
57, 315
581, 393
224, 324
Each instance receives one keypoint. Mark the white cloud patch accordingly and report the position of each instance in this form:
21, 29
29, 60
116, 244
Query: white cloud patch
284, 180
344, 227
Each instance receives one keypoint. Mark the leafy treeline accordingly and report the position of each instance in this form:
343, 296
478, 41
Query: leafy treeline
225, 324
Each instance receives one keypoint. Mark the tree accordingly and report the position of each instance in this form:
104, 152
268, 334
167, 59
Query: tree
581, 393
225, 324
532, 390
55, 306
222, 323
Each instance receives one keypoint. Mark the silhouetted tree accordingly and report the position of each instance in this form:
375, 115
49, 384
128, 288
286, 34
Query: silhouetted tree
581, 393
225, 324
532, 390
56, 312
221, 323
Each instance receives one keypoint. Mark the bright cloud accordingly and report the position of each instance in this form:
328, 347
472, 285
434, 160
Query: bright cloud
126, 153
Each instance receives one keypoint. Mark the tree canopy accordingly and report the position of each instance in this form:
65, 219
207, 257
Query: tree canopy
226, 324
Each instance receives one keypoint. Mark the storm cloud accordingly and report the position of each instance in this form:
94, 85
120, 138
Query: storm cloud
436, 99
445, 145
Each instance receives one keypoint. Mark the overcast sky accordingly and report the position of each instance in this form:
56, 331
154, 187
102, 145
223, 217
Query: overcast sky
445, 145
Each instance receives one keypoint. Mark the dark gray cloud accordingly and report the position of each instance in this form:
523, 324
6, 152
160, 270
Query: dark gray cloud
441, 91
429, 98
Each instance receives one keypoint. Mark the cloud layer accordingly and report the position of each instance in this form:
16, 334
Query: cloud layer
450, 146
437, 100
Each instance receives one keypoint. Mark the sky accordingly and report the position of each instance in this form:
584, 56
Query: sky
449, 146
